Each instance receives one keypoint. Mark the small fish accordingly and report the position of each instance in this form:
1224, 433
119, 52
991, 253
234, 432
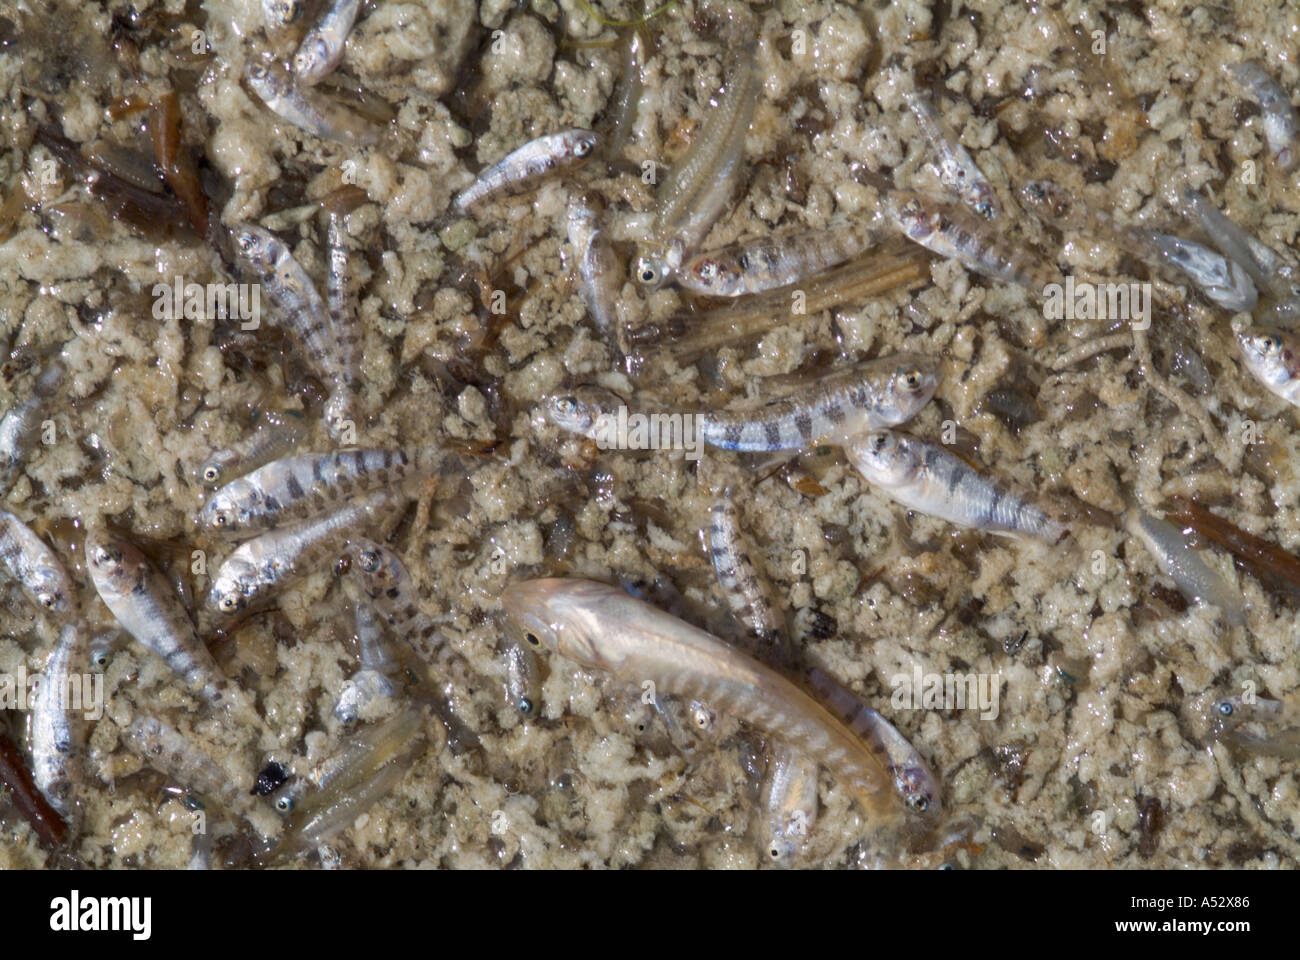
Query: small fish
321, 49
34, 565
373, 681
177, 756
580, 411
384, 579
1281, 125
276, 433
1220, 278
600, 627
954, 233
1273, 358
278, 557
304, 312
149, 609
877, 393
1273, 275
699, 185
625, 102
956, 168
364, 770
789, 804
345, 330
21, 425
771, 262
747, 592
1195, 579
56, 725
913, 779
600, 272
308, 110
298, 487
521, 169
523, 679
930, 479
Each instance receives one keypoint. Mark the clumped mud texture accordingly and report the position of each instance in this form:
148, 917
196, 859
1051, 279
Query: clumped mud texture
1105, 676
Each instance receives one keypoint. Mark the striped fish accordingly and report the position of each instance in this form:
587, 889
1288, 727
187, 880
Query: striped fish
747, 591
878, 393
934, 481
298, 487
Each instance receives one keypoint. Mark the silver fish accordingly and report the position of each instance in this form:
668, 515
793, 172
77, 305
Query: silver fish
304, 312
788, 803
34, 565
700, 184
770, 262
321, 49
521, 169
1281, 125
930, 479
345, 330
747, 592
280, 13
308, 110
977, 245
957, 170
21, 425
148, 608
275, 433
362, 772
1273, 358
278, 557
600, 627
298, 487
867, 396
1174, 555
600, 272
915, 782
1220, 278
56, 724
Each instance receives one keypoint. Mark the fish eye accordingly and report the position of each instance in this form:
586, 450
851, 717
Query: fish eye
532, 640
1225, 708
284, 804
369, 560
257, 71
919, 802
878, 441
648, 272
211, 474
583, 147
101, 660
525, 706
774, 853
229, 603
47, 600
219, 519
564, 405
913, 379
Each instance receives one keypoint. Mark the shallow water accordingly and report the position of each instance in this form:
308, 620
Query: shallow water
1103, 675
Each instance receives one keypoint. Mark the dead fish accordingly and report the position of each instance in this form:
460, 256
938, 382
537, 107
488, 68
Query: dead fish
57, 724
276, 433
600, 272
298, 487
306, 109
930, 479
321, 49
867, 396
34, 565
957, 170
521, 169
20, 427
1281, 126
1195, 579
1273, 358
276, 558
